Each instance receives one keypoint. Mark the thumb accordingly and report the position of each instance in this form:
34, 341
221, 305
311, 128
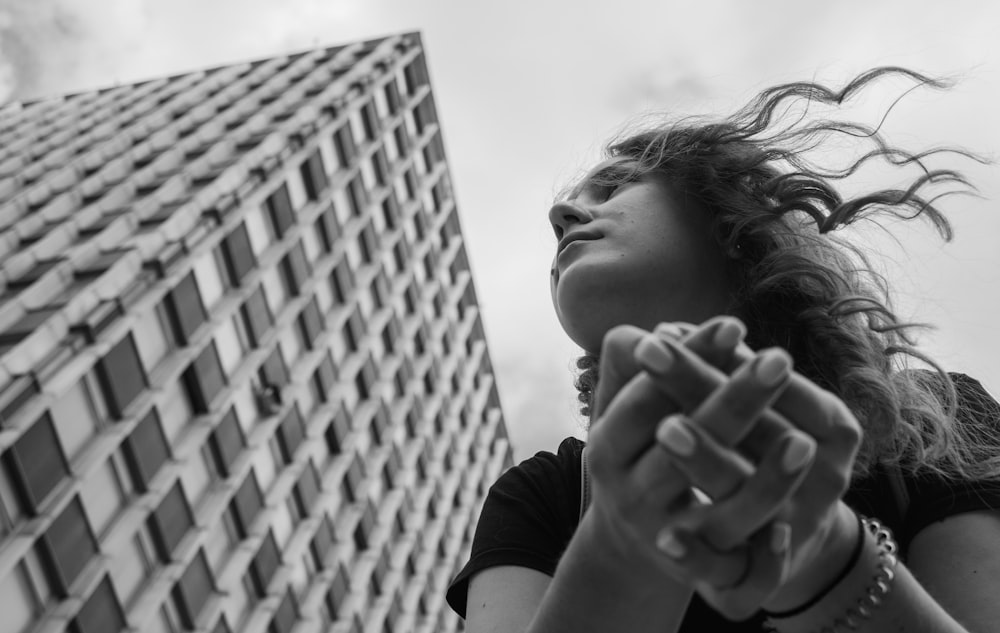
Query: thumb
617, 366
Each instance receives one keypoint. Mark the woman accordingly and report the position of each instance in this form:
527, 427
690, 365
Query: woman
721, 489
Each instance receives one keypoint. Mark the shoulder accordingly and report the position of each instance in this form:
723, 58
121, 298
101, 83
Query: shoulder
546, 486
528, 517
910, 501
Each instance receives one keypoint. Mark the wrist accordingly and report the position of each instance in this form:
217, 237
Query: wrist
620, 553
835, 555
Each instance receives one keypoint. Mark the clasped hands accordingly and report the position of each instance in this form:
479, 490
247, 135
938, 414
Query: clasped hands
693, 407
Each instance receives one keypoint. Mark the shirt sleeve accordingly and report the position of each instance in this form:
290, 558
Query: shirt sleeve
527, 520
934, 498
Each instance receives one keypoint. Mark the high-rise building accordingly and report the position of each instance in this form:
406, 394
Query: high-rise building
243, 379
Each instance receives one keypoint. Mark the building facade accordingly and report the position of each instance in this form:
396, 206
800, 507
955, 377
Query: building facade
244, 384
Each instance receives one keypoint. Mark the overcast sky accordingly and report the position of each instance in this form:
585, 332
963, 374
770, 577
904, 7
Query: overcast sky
527, 91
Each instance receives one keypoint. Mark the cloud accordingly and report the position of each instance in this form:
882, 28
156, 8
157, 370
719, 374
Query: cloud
33, 33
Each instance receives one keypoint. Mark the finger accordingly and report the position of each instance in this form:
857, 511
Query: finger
767, 568
734, 407
714, 341
812, 408
618, 364
714, 469
697, 562
688, 380
627, 424
734, 519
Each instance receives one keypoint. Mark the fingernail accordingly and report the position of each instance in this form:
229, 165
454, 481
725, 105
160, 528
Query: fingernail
667, 542
771, 367
781, 537
654, 355
669, 329
675, 437
798, 451
729, 333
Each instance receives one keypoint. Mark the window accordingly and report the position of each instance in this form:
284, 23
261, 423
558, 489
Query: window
365, 379
256, 315
306, 490
281, 524
325, 228
391, 145
130, 564
279, 209
246, 503
322, 541
38, 462
209, 279
314, 175
17, 600
196, 478
76, 417
368, 243
238, 254
204, 379
354, 330
71, 544
392, 96
290, 343
175, 410
363, 530
146, 450
343, 143
102, 496
259, 231
227, 442
368, 177
285, 615
193, 590
229, 345
295, 269
340, 589
170, 522
357, 196
185, 308
10, 505
153, 336
218, 544
325, 376
323, 294
264, 466
342, 280
352, 478
328, 154
311, 323
290, 434
311, 245
101, 612
337, 431
273, 371
265, 564
355, 119
274, 290
341, 205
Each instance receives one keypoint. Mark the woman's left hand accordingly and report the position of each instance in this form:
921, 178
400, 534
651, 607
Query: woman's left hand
822, 528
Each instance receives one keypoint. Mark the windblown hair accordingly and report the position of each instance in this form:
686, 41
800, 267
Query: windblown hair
799, 287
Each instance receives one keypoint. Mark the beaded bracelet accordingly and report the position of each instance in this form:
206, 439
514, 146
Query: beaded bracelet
881, 582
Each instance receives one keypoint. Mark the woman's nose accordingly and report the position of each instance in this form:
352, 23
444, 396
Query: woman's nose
563, 215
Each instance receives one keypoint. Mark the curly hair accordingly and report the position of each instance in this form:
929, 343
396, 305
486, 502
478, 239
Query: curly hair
800, 287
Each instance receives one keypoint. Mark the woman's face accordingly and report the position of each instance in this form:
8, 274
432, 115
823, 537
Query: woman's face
642, 258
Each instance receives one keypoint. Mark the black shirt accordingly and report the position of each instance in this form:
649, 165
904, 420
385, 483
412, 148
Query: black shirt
532, 511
